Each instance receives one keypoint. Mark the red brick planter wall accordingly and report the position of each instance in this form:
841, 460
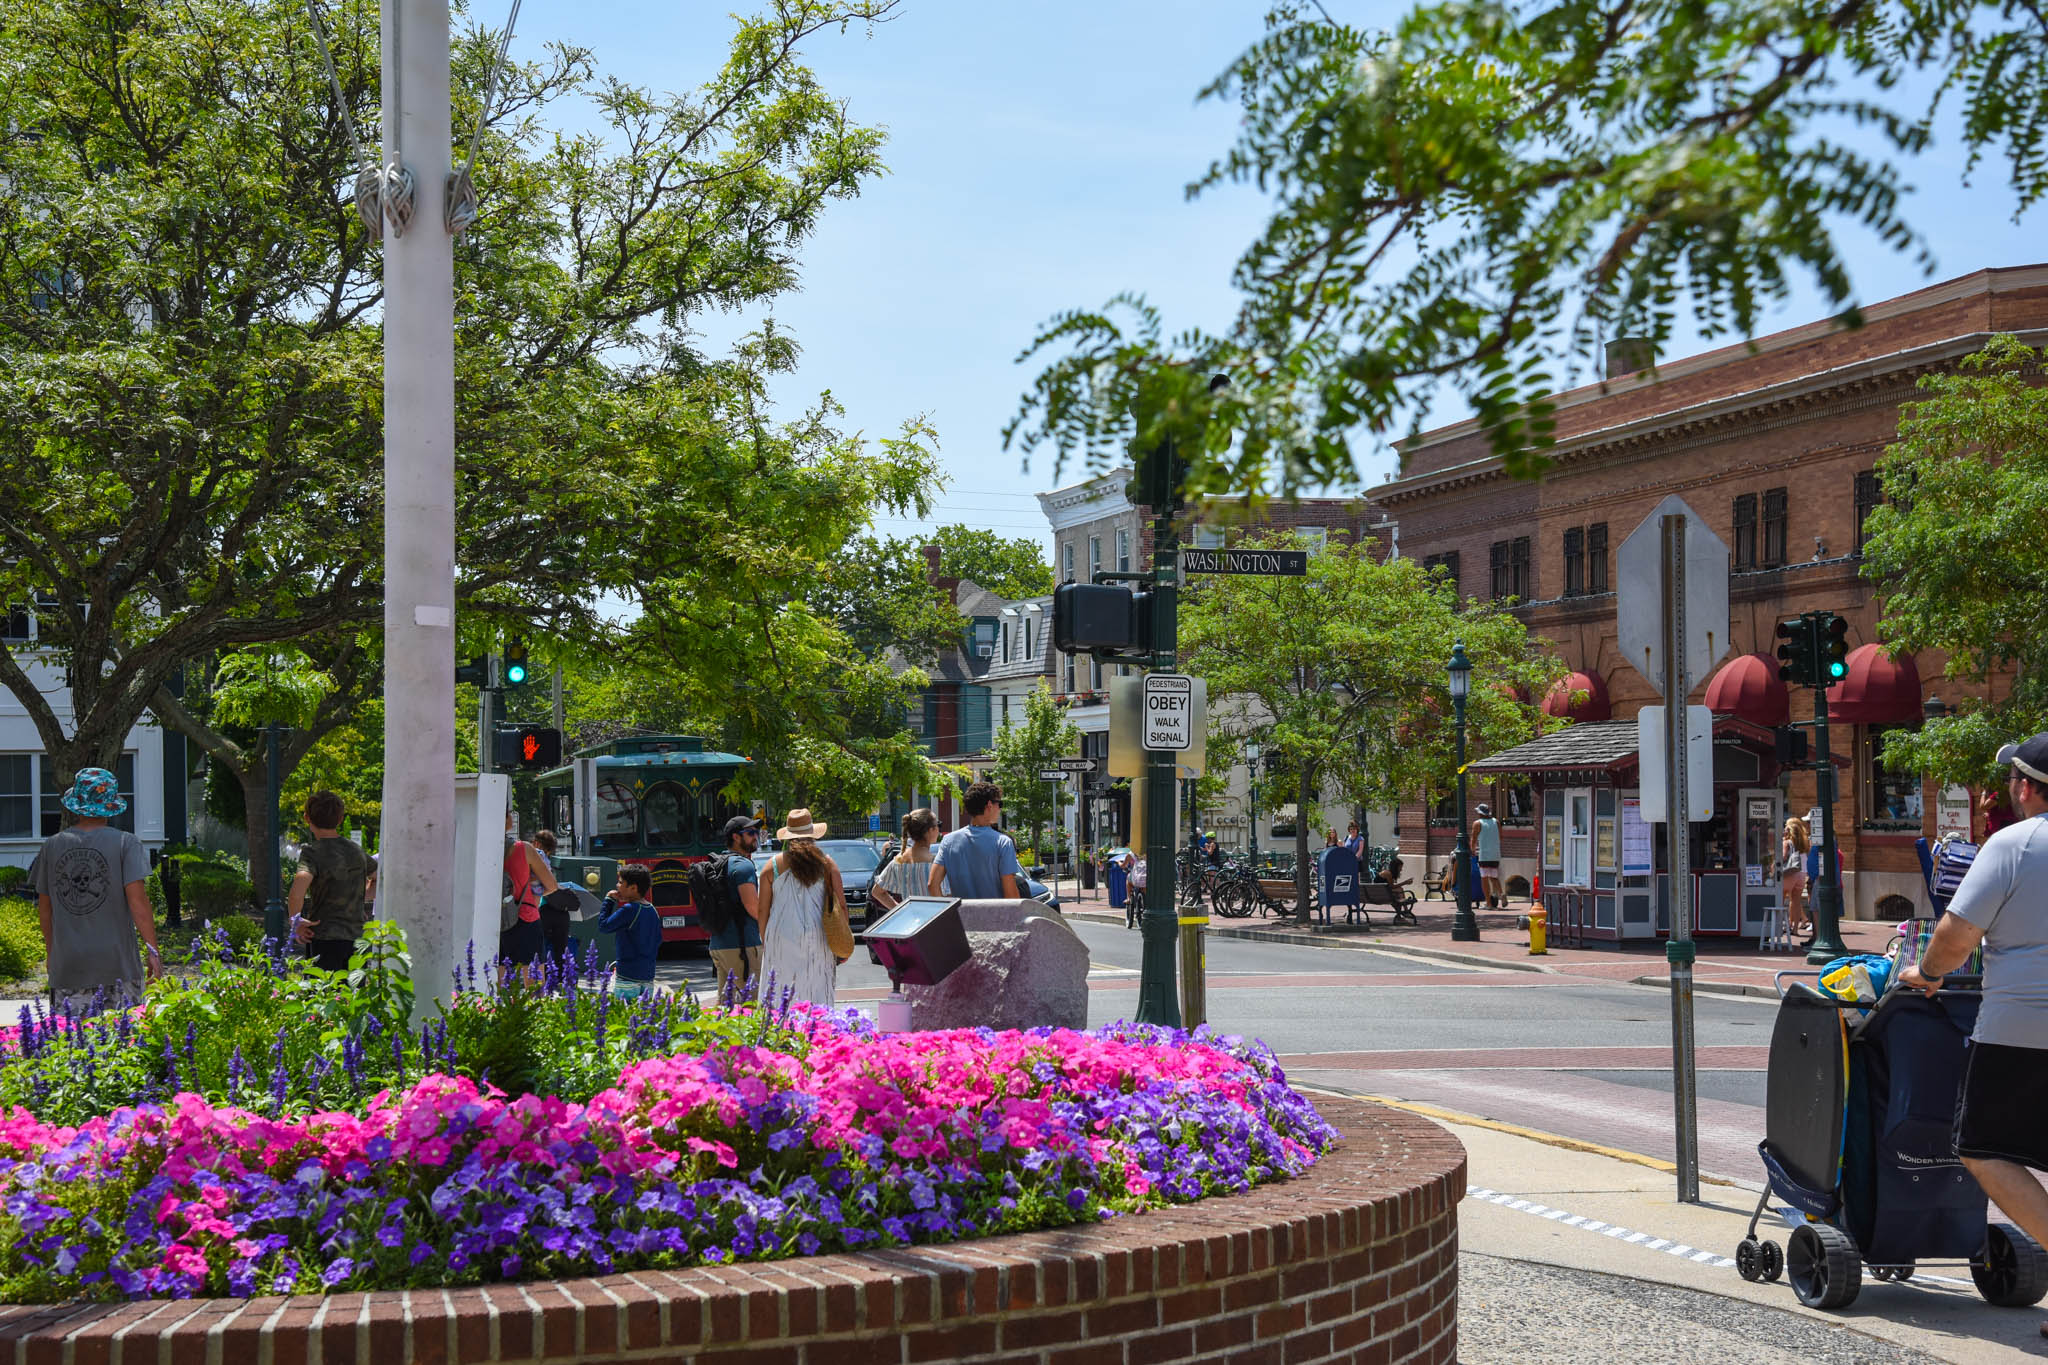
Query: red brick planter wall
1357, 1261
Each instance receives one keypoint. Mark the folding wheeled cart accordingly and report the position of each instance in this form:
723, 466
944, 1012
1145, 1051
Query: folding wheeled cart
1859, 1119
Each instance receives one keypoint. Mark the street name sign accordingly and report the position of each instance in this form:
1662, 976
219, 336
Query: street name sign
1168, 722
1276, 563
1051, 775
1077, 765
1640, 579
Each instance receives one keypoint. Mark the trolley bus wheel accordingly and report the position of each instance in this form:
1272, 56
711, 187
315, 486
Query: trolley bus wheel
2012, 1270
1773, 1258
1749, 1259
1822, 1264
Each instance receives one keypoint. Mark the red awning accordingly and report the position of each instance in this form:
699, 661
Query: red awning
1580, 697
1748, 686
1879, 690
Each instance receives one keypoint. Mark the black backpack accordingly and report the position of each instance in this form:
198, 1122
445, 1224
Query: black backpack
712, 894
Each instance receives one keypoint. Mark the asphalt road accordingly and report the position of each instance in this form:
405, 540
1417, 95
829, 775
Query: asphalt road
1586, 1059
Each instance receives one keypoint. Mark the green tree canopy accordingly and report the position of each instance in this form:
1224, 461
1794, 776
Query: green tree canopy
1022, 749
1483, 194
1956, 552
1339, 674
190, 415
1011, 568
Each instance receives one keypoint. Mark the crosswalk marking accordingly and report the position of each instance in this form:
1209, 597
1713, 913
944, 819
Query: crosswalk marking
1585, 1224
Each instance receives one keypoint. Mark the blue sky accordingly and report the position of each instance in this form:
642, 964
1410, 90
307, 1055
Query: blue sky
1038, 154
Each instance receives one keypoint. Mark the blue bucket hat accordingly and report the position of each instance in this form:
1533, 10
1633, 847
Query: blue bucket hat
95, 794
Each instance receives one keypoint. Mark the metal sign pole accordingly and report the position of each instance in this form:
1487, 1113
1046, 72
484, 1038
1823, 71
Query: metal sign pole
1679, 951
417, 875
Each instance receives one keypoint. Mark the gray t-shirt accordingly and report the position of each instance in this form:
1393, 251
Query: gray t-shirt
2005, 893
86, 873
975, 858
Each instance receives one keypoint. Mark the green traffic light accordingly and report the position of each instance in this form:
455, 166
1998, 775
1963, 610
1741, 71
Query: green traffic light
515, 674
1838, 670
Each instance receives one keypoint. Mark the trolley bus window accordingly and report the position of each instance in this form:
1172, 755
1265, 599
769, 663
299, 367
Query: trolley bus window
666, 811
616, 818
714, 808
555, 814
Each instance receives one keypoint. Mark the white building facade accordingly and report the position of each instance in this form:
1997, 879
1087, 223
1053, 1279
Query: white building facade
29, 791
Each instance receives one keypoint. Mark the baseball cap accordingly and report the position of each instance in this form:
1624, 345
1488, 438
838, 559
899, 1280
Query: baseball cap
740, 824
2029, 757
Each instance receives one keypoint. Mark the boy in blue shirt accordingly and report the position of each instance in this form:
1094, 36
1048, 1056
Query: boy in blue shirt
637, 925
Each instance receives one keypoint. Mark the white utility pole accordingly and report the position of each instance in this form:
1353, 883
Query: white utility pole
417, 876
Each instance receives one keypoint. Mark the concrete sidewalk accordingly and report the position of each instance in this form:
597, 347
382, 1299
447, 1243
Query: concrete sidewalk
1724, 966
1571, 1255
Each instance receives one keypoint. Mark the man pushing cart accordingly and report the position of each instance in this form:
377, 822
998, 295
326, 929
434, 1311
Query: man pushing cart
1888, 1126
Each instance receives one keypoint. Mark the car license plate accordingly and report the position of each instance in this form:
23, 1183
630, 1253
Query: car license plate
675, 922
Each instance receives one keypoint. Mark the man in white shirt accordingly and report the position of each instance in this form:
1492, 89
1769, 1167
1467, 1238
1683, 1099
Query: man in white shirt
2003, 904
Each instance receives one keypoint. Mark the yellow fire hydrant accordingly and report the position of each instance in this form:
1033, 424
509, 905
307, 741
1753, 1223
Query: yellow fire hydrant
1539, 937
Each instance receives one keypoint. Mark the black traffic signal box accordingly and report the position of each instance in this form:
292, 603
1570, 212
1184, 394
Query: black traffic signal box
527, 746
1100, 617
1795, 651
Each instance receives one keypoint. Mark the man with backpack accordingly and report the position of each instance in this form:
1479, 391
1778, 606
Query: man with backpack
725, 888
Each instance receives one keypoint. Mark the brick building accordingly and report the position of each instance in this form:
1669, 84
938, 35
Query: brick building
1772, 443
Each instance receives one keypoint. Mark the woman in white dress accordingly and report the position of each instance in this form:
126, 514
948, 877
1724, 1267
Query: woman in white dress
796, 888
909, 873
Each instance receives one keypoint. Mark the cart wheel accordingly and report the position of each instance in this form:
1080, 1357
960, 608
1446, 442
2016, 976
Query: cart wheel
1822, 1264
1773, 1258
2012, 1270
1749, 1260
1898, 1274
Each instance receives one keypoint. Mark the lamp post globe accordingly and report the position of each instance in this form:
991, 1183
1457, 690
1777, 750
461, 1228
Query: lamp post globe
1464, 924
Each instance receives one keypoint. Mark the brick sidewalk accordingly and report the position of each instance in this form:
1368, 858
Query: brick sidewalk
1726, 965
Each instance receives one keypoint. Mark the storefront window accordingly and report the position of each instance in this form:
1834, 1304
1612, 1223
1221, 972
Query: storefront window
1891, 798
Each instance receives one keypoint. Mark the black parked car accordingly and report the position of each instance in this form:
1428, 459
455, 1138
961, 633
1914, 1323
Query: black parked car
857, 860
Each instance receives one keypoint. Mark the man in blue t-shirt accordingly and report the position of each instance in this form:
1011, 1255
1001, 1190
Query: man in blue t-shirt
736, 949
978, 861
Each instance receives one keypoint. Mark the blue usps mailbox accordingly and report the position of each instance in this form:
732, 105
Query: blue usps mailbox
1339, 870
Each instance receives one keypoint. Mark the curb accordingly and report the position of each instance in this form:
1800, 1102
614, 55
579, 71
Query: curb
1712, 987
1357, 942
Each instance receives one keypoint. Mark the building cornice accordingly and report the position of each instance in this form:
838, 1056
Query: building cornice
1860, 384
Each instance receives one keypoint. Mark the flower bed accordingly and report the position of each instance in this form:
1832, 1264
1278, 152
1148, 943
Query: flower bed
732, 1132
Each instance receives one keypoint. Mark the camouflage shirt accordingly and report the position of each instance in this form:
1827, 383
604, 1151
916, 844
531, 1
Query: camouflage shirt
334, 901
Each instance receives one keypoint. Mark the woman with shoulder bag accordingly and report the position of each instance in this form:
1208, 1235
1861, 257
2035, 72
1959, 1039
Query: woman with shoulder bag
805, 929
909, 873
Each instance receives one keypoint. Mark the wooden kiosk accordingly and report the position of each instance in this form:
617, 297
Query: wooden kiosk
1606, 874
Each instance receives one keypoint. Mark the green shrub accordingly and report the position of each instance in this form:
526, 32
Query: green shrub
213, 891
21, 938
244, 934
13, 879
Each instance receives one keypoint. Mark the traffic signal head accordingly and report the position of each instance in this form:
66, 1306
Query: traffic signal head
1833, 635
476, 672
1795, 651
1161, 477
1087, 616
515, 663
527, 746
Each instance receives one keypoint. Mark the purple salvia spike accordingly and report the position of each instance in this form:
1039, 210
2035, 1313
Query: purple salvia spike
235, 1072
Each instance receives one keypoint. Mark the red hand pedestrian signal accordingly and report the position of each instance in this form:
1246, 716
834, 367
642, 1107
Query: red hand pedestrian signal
527, 746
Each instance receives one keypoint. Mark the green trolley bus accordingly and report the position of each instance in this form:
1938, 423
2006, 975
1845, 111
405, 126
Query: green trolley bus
655, 800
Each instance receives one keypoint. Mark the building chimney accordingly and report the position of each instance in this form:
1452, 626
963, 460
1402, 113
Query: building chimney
932, 555
1626, 355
